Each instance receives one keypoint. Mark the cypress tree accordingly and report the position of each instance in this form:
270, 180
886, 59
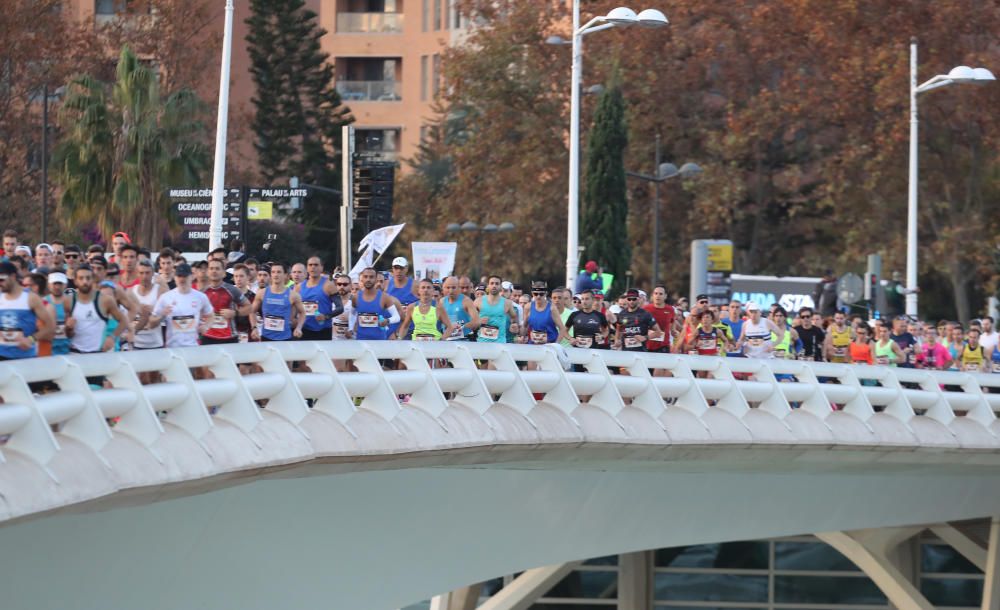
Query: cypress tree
297, 111
604, 221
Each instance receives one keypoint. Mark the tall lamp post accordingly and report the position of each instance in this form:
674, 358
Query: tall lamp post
957, 76
222, 123
664, 172
470, 227
618, 17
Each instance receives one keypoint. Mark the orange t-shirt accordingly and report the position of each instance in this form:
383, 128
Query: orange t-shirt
861, 352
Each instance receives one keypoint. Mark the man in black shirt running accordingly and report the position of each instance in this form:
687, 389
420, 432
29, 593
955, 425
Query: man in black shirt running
587, 326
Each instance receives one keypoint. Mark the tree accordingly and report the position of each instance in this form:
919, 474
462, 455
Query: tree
604, 218
298, 113
124, 145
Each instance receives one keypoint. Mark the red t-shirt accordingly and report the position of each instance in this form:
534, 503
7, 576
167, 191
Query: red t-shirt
664, 317
223, 297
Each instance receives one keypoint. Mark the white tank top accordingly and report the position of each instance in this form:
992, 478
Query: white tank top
152, 337
88, 332
758, 338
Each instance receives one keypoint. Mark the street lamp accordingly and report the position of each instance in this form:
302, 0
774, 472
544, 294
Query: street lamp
959, 75
470, 227
664, 172
618, 17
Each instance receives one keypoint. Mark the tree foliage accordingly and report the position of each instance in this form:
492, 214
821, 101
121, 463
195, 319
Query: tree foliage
124, 145
298, 113
797, 111
604, 214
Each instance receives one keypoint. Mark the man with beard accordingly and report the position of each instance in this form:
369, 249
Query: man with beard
20, 313
496, 314
375, 309
635, 325
89, 316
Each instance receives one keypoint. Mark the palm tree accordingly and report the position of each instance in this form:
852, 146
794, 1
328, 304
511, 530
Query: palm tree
123, 147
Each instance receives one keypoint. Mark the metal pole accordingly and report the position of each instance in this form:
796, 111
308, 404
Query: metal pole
573, 213
45, 163
656, 216
479, 269
347, 196
911, 215
222, 122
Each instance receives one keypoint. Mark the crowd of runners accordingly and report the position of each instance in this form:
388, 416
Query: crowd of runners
59, 298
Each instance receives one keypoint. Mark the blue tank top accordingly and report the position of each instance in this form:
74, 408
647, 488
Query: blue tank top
369, 313
17, 321
276, 310
995, 360
542, 321
60, 343
456, 312
495, 329
405, 296
315, 300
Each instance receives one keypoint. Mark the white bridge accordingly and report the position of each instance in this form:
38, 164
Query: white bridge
232, 479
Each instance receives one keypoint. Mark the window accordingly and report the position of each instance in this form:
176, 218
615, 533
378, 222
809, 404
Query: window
425, 15
436, 75
423, 78
437, 15
109, 7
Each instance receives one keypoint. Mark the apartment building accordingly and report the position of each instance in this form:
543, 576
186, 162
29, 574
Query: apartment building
386, 55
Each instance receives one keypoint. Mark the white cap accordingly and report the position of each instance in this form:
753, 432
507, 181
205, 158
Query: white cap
506, 285
400, 261
57, 277
23, 248
751, 306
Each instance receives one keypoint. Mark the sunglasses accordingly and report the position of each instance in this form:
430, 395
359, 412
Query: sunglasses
538, 294
343, 284
703, 302
72, 256
631, 298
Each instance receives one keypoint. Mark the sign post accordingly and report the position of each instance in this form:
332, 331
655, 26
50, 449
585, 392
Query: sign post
711, 270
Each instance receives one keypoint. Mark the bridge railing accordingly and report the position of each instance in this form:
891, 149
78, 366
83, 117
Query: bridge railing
161, 404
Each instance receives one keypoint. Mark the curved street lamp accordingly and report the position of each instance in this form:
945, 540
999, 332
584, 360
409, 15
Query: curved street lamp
959, 75
617, 17
470, 227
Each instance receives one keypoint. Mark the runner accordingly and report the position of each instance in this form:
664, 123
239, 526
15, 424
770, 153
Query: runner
118, 240
757, 338
165, 268
735, 319
666, 318
887, 352
784, 346
838, 339
343, 323
280, 307
861, 347
91, 309
588, 327
241, 277
635, 326
425, 315
298, 274
989, 338
810, 336
24, 319
186, 311
128, 277
321, 301
460, 309
906, 341
376, 310
227, 303
61, 306
496, 314
933, 355
44, 258
400, 286
973, 358
561, 304
708, 338
147, 293
544, 323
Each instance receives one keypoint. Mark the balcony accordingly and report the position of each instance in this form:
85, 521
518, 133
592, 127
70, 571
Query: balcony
369, 23
369, 90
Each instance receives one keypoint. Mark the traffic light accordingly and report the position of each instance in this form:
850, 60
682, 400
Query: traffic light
871, 286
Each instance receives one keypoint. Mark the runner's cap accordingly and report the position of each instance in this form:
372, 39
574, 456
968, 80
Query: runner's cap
505, 285
183, 270
481, 287
701, 297
631, 292
8, 268
113, 270
58, 278
751, 306
23, 248
591, 267
400, 261
539, 285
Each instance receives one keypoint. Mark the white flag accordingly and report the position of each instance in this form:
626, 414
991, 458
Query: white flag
364, 261
379, 239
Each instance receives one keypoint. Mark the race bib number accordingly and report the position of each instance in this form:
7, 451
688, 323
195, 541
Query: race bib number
368, 320
61, 331
10, 336
996, 367
539, 337
183, 324
424, 337
756, 342
311, 307
584, 341
274, 324
881, 360
632, 342
491, 333
972, 367
840, 352
219, 322
244, 337
706, 344
930, 361
340, 329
